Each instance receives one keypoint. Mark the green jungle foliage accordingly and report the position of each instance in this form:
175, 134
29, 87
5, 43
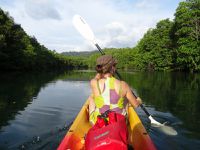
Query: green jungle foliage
171, 45
18, 51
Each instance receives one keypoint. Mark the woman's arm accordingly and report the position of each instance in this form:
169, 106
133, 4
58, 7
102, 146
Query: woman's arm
91, 97
91, 104
129, 95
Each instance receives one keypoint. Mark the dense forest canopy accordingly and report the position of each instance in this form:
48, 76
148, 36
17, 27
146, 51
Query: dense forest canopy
171, 45
19, 51
174, 44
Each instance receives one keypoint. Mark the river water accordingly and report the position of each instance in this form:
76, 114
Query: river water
36, 109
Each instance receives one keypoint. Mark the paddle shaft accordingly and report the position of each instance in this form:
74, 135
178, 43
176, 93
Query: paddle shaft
119, 76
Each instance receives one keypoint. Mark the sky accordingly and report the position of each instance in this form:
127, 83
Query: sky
115, 23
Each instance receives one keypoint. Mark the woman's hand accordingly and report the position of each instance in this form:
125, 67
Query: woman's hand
139, 100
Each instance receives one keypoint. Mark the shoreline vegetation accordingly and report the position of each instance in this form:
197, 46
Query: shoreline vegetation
173, 45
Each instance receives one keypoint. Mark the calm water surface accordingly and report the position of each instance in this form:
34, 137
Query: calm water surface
36, 109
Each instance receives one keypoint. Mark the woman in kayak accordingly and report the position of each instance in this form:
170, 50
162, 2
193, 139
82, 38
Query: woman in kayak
109, 93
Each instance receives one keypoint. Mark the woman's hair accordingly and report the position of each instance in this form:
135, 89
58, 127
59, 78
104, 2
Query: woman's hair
105, 64
103, 69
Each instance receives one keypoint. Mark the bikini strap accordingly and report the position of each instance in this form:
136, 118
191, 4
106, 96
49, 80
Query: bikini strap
120, 89
112, 83
98, 87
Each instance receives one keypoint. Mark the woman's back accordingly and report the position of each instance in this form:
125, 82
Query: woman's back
108, 95
115, 85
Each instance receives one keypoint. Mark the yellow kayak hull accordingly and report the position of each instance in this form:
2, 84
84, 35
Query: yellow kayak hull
74, 139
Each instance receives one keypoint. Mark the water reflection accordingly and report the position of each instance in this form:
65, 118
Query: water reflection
39, 104
33, 104
18, 90
175, 93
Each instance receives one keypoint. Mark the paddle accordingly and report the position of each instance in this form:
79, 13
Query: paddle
84, 29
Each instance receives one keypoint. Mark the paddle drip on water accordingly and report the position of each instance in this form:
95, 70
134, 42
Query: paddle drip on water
163, 127
168, 130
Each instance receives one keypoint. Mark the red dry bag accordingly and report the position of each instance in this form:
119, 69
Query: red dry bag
108, 135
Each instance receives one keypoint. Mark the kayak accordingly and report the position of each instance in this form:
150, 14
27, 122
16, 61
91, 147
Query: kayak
138, 138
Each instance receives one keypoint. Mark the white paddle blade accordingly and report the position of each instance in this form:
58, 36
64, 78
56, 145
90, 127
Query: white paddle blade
165, 129
83, 28
153, 121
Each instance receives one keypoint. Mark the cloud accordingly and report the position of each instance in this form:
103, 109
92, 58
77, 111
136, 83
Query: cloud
118, 35
115, 23
115, 28
147, 4
41, 9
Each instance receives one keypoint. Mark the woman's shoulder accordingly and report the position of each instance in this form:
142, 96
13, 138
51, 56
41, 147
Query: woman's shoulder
93, 81
124, 84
